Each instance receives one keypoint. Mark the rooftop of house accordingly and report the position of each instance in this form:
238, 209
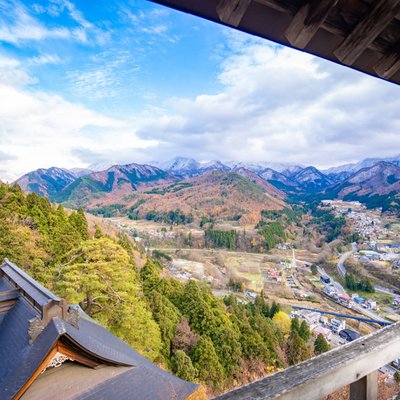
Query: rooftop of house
39, 331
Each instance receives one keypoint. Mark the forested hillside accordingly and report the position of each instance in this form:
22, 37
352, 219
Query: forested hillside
182, 327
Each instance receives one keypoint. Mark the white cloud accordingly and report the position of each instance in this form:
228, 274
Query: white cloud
106, 76
18, 25
12, 72
43, 130
43, 59
278, 104
154, 24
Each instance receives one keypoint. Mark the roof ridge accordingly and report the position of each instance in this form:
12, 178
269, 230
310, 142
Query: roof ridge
29, 280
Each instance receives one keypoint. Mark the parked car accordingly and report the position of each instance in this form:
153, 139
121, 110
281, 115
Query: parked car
349, 334
325, 279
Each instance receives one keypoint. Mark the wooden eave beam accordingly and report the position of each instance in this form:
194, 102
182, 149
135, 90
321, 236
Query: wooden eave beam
389, 64
279, 6
322, 375
367, 31
41, 367
308, 19
231, 12
328, 25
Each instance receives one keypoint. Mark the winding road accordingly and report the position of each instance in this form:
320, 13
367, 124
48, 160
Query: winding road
340, 265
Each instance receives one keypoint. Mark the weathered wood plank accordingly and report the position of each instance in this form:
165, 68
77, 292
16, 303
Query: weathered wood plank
328, 25
388, 65
285, 7
231, 12
322, 375
307, 21
367, 30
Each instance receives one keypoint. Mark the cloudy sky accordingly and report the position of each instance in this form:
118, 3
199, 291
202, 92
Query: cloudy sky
130, 81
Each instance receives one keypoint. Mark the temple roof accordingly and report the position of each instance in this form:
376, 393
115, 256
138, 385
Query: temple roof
36, 325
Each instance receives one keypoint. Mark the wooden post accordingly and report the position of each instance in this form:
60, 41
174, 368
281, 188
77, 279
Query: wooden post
365, 388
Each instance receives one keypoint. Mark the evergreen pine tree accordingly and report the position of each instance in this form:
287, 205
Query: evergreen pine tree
182, 366
320, 344
206, 361
304, 331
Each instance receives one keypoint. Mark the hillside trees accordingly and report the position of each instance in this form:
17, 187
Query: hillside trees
272, 232
223, 239
100, 277
183, 326
354, 283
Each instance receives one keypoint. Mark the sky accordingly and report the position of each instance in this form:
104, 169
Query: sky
93, 83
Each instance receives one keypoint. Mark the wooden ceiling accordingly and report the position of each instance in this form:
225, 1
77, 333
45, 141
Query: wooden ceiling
361, 34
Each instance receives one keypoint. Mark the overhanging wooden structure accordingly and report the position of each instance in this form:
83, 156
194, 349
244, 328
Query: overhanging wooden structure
354, 364
361, 34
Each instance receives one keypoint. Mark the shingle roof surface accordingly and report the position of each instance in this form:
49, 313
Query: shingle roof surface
19, 359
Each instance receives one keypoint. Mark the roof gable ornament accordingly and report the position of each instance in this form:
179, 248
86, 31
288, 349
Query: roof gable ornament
57, 361
35, 328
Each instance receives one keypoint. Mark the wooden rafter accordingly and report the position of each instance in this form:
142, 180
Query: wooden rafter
231, 12
278, 5
359, 33
307, 21
329, 24
367, 30
389, 64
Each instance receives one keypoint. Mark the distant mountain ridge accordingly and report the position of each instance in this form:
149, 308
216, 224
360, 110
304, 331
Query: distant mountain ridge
118, 179
46, 182
80, 186
215, 194
354, 167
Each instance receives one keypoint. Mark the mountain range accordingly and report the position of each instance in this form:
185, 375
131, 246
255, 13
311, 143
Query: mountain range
181, 179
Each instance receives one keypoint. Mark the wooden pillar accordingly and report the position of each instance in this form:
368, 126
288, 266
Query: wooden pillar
365, 388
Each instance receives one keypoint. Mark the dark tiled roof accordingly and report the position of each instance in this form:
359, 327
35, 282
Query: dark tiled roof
5, 285
21, 355
18, 359
23, 281
147, 384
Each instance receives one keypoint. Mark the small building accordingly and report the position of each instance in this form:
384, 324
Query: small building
50, 350
320, 330
324, 320
294, 314
371, 305
337, 325
344, 299
349, 334
311, 317
329, 290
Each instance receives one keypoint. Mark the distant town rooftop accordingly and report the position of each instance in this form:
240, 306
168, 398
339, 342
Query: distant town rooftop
361, 34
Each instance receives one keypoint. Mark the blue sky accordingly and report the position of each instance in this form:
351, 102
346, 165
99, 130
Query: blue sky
114, 57
86, 82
